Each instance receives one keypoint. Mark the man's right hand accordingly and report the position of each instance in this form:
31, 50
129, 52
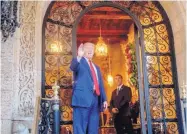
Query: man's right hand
81, 51
115, 110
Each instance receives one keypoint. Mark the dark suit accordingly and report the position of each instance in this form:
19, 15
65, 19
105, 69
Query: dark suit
86, 104
121, 102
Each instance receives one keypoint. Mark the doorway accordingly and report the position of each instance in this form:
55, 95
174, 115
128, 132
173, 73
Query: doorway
113, 33
154, 55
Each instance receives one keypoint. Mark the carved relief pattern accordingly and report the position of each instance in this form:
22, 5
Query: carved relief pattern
154, 37
152, 70
125, 4
66, 129
57, 65
26, 59
172, 128
155, 103
58, 34
159, 72
8, 18
162, 100
158, 63
89, 3
150, 41
147, 12
66, 109
162, 38
165, 70
169, 103
65, 11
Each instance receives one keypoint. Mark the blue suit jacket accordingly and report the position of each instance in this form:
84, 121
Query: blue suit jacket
83, 84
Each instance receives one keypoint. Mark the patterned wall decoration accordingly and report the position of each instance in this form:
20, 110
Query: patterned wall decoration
59, 29
158, 54
65, 96
57, 64
8, 18
27, 59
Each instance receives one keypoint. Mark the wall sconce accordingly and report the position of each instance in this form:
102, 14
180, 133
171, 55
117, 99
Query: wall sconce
110, 80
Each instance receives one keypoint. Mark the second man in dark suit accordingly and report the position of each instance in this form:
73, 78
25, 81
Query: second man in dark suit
119, 103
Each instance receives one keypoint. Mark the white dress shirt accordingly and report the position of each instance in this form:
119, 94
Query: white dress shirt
79, 58
118, 88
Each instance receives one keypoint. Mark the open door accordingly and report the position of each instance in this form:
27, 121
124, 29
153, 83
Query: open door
140, 81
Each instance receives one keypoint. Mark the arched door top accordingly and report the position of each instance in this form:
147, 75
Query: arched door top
97, 5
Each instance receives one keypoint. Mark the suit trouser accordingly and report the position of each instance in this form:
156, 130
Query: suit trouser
123, 124
86, 120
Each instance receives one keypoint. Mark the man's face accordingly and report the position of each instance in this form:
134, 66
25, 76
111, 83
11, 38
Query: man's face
89, 50
118, 80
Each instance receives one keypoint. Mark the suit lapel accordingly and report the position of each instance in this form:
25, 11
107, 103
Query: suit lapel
116, 98
119, 92
115, 95
121, 89
87, 67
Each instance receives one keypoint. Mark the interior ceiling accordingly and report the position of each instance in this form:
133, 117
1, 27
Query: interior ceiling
114, 24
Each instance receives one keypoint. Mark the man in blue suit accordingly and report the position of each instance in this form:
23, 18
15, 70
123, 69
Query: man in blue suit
88, 97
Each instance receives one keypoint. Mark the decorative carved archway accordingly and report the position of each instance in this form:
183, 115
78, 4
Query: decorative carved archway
156, 40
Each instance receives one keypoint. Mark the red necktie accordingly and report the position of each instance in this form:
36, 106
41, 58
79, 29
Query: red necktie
94, 79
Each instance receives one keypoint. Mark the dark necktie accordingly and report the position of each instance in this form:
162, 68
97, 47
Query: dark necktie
97, 91
118, 90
